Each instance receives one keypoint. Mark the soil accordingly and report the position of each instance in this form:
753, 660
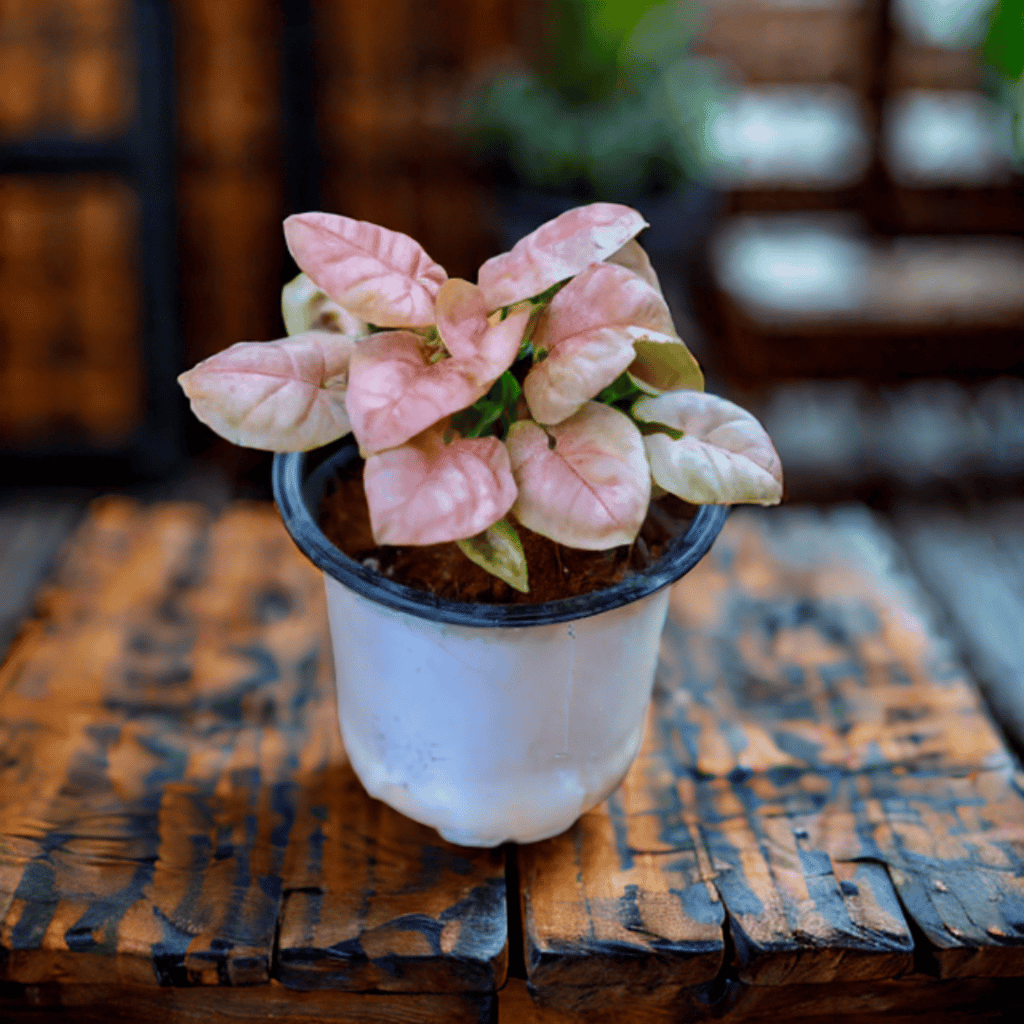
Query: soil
555, 571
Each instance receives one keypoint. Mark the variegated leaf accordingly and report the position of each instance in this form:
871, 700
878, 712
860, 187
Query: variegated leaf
305, 307
591, 490
587, 333
395, 391
468, 334
282, 396
500, 551
381, 276
559, 249
724, 458
664, 363
429, 492
634, 257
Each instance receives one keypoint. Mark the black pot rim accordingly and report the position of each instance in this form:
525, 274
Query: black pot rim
298, 488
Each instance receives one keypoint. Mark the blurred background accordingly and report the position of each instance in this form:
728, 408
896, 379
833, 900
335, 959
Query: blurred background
834, 189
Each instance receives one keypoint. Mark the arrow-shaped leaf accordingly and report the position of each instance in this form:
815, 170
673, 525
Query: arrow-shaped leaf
395, 391
381, 276
559, 249
428, 492
584, 482
725, 456
281, 396
588, 331
500, 551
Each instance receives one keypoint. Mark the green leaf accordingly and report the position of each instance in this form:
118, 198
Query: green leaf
623, 387
498, 404
499, 551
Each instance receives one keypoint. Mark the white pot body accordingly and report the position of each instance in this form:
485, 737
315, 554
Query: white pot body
492, 733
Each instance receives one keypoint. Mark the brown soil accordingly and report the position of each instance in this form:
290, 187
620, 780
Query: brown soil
442, 569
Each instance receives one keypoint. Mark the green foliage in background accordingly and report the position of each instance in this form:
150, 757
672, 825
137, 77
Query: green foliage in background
1004, 50
619, 109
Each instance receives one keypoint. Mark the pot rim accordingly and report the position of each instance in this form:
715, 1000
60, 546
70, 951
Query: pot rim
299, 481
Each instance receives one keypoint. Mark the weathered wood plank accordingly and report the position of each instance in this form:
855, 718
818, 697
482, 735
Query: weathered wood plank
832, 769
107, 1004
623, 893
170, 740
839, 668
913, 998
168, 670
32, 529
376, 902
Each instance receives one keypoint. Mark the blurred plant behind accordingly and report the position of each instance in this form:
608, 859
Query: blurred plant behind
1004, 51
617, 109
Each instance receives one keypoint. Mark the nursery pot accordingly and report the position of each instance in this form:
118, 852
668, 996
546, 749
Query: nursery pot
488, 722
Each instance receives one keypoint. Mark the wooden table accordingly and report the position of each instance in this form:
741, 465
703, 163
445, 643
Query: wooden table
823, 825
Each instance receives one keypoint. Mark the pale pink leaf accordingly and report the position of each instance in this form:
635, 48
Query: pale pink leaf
592, 489
380, 276
282, 396
664, 363
429, 492
468, 334
588, 331
559, 249
724, 458
395, 392
305, 307
633, 257
499, 551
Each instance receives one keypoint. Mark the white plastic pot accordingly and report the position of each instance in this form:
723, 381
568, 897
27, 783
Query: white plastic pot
488, 722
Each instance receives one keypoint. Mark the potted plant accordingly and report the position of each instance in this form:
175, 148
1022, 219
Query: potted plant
547, 401
618, 111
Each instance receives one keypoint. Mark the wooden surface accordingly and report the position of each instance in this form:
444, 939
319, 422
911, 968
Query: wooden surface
173, 786
823, 825
821, 778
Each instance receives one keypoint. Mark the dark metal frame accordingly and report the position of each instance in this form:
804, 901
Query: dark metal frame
298, 117
144, 156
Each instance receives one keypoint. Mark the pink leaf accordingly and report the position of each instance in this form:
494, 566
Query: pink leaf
633, 257
588, 332
427, 492
282, 396
305, 307
468, 335
726, 457
395, 392
559, 249
592, 489
381, 276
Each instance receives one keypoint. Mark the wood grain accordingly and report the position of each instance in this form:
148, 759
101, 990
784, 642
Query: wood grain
173, 785
376, 902
831, 777
99, 1004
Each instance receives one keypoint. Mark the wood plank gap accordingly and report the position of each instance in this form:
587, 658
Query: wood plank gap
514, 912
